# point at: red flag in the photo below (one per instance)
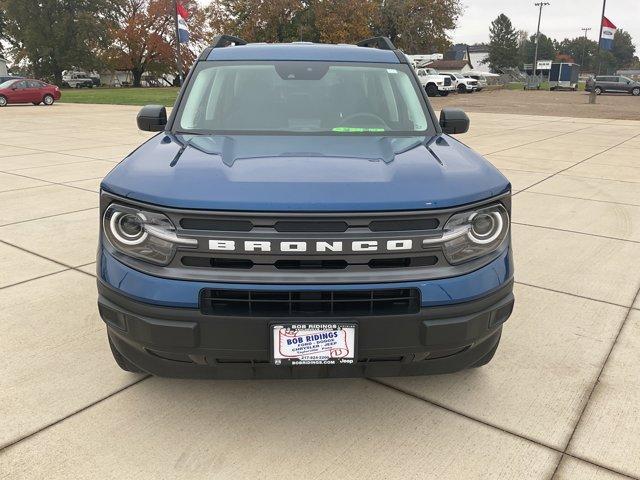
(183, 12)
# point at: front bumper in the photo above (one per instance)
(180, 341)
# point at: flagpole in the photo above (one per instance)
(178, 54)
(592, 94)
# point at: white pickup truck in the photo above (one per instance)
(76, 80)
(434, 83)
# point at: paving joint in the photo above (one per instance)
(72, 414)
(583, 198)
(576, 232)
(499, 428)
(580, 162)
(48, 216)
(584, 297)
(593, 389)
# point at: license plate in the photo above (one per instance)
(314, 344)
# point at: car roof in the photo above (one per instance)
(303, 51)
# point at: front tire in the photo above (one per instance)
(598, 91)
(444, 94)
(122, 362)
(48, 100)
(462, 89)
(635, 92)
(3, 101)
(431, 90)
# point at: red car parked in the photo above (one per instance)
(27, 90)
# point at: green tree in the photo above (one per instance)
(56, 35)
(258, 20)
(623, 49)
(579, 48)
(3, 25)
(418, 26)
(503, 45)
(546, 49)
(413, 25)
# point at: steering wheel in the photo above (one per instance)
(365, 115)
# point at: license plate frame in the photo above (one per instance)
(326, 350)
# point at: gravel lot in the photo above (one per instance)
(534, 102)
(559, 400)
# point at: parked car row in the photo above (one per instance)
(28, 90)
(442, 83)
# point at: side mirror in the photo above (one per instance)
(152, 118)
(454, 120)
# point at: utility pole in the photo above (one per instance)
(178, 54)
(584, 45)
(535, 58)
(592, 94)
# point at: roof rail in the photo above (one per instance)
(226, 41)
(383, 43)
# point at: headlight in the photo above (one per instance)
(142, 234)
(473, 234)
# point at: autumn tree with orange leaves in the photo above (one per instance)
(143, 39)
(329, 21)
(417, 26)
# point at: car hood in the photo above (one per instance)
(305, 173)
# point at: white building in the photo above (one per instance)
(451, 66)
(3, 67)
(419, 60)
(478, 54)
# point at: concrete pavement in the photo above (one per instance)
(559, 400)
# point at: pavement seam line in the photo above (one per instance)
(584, 297)
(575, 231)
(69, 267)
(47, 184)
(493, 426)
(597, 178)
(533, 192)
(38, 150)
(597, 382)
(49, 216)
(580, 162)
(34, 278)
(60, 184)
(543, 140)
(72, 414)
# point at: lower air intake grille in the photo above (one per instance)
(223, 302)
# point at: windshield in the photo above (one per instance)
(296, 96)
(6, 84)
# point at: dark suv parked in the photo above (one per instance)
(614, 83)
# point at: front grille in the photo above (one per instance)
(314, 303)
(310, 263)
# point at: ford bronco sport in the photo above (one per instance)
(302, 213)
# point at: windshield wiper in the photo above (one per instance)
(185, 144)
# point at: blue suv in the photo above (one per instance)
(303, 213)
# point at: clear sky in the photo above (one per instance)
(562, 19)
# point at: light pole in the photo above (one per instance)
(592, 93)
(584, 44)
(535, 58)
